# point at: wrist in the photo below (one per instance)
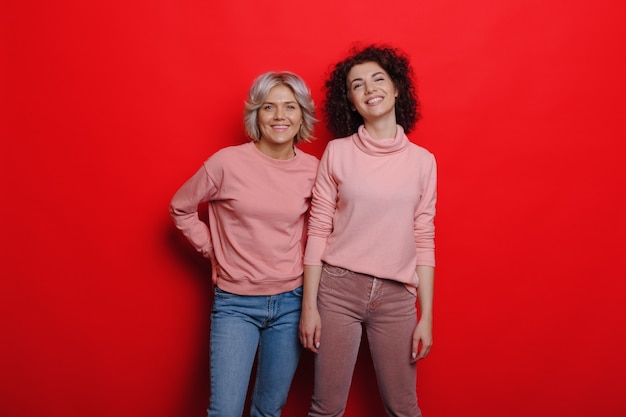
(309, 304)
(426, 316)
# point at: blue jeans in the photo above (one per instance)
(243, 327)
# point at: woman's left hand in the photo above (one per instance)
(422, 339)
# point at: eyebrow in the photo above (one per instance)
(286, 102)
(373, 75)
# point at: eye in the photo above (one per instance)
(267, 107)
(356, 86)
(291, 107)
(379, 79)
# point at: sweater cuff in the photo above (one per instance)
(426, 258)
(315, 247)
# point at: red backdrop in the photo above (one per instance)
(107, 107)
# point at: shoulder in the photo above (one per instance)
(227, 158)
(337, 150)
(348, 140)
(307, 158)
(423, 159)
(229, 153)
(306, 163)
(340, 144)
(421, 152)
(233, 151)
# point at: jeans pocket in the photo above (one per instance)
(298, 292)
(219, 293)
(335, 271)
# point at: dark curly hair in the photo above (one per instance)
(341, 120)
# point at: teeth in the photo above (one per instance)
(374, 100)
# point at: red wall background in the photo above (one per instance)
(107, 107)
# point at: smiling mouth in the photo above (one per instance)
(374, 100)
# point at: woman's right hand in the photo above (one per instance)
(213, 267)
(310, 328)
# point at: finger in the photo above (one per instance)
(307, 341)
(315, 340)
(414, 350)
(304, 339)
(425, 349)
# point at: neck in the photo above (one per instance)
(276, 151)
(382, 129)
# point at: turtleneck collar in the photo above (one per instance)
(380, 147)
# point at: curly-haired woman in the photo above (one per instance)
(370, 250)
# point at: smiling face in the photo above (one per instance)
(279, 117)
(372, 92)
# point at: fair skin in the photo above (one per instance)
(373, 94)
(279, 119)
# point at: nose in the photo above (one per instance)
(279, 114)
(369, 87)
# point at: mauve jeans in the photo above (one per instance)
(347, 302)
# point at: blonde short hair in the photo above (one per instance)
(258, 94)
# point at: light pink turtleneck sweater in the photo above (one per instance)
(373, 207)
(257, 211)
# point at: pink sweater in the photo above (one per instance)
(257, 211)
(373, 207)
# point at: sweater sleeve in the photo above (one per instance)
(424, 226)
(184, 210)
(323, 206)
